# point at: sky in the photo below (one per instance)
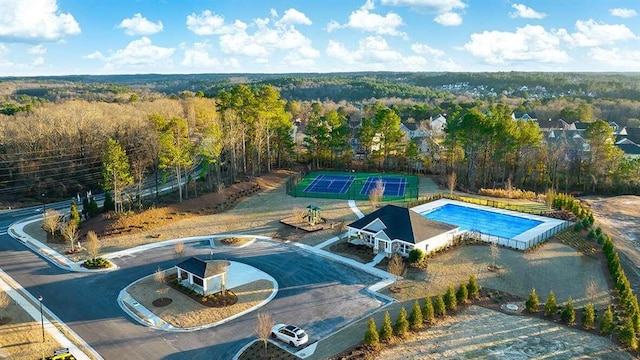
(73, 37)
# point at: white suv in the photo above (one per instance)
(290, 334)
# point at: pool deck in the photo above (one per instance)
(523, 239)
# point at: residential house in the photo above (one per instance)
(524, 116)
(394, 229)
(437, 125)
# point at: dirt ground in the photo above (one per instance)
(619, 217)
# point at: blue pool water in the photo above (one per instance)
(487, 222)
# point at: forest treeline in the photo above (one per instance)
(56, 146)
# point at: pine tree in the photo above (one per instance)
(402, 324)
(450, 299)
(532, 302)
(462, 294)
(387, 330)
(606, 323)
(109, 204)
(427, 310)
(473, 288)
(588, 316)
(74, 214)
(371, 337)
(628, 335)
(568, 314)
(440, 308)
(415, 317)
(551, 305)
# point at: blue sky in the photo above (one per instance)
(61, 37)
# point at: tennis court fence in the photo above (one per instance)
(298, 182)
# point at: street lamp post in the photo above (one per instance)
(44, 206)
(40, 298)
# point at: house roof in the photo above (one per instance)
(401, 223)
(629, 148)
(204, 269)
(553, 124)
(410, 125)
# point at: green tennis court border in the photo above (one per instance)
(298, 183)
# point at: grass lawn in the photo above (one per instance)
(184, 312)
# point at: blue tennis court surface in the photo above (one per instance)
(330, 184)
(393, 186)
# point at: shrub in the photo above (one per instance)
(439, 307)
(598, 231)
(551, 305)
(588, 316)
(371, 337)
(592, 234)
(532, 302)
(97, 263)
(402, 324)
(601, 239)
(415, 317)
(586, 223)
(473, 288)
(578, 226)
(462, 295)
(606, 323)
(568, 314)
(450, 299)
(628, 335)
(427, 310)
(387, 330)
(416, 256)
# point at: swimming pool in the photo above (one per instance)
(486, 222)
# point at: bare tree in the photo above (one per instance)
(5, 300)
(452, 179)
(50, 221)
(495, 253)
(396, 266)
(93, 245)
(159, 277)
(376, 194)
(70, 232)
(178, 250)
(591, 291)
(263, 328)
(299, 215)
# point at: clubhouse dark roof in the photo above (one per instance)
(404, 224)
(204, 269)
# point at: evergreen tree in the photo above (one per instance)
(462, 294)
(402, 324)
(93, 207)
(532, 302)
(387, 330)
(427, 310)
(568, 314)
(109, 204)
(439, 307)
(606, 323)
(628, 335)
(450, 299)
(588, 316)
(115, 170)
(551, 305)
(74, 214)
(371, 337)
(415, 317)
(85, 207)
(473, 288)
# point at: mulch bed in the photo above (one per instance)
(5, 320)
(162, 302)
(212, 300)
(257, 351)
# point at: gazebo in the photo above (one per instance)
(206, 277)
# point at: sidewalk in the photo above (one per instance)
(34, 312)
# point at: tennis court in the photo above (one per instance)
(352, 185)
(392, 186)
(330, 184)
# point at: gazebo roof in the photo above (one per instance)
(202, 268)
(313, 207)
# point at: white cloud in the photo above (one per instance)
(438, 6)
(96, 55)
(35, 20)
(623, 13)
(208, 23)
(363, 19)
(199, 56)
(448, 19)
(425, 49)
(623, 59)
(523, 11)
(529, 43)
(592, 33)
(374, 53)
(39, 61)
(273, 12)
(293, 16)
(139, 25)
(141, 52)
(37, 50)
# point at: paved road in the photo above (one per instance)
(316, 293)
